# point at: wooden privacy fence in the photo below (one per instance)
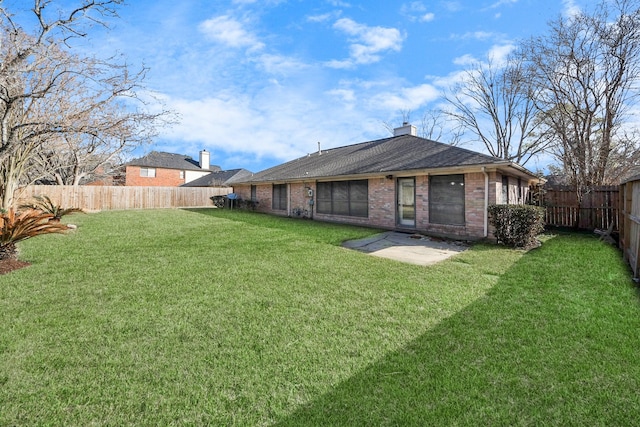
(630, 224)
(97, 198)
(599, 208)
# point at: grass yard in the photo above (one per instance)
(205, 317)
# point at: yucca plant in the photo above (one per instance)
(45, 205)
(16, 227)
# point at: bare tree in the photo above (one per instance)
(495, 103)
(50, 95)
(433, 125)
(587, 68)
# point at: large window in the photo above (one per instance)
(349, 198)
(279, 197)
(148, 172)
(446, 199)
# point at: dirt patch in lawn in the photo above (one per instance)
(9, 265)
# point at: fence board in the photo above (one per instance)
(97, 198)
(630, 224)
(598, 209)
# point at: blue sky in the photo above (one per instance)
(261, 82)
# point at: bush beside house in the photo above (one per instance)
(517, 225)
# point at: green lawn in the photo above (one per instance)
(204, 317)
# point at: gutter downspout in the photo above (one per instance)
(486, 202)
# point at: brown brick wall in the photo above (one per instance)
(382, 204)
(163, 178)
(299, 199)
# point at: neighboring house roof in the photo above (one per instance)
(160, 159)
(219, 178)
(380, 157)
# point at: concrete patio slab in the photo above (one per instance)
(409, 248)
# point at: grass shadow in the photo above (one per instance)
(328, 232)
(553, 343)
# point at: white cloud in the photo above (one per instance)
(367, 42)
(499, 53)
(231, 32)
(338, 3)
(345, 95)
(321, 18)
(415, 6)
(502, 3)
(475, 35)
(571, 9)
(416, 11)
(464, 60)
(279, 122)
(340, 65)
(280, 64)
(452, 6)
(411, 98)
(230, 124)
(427, 17)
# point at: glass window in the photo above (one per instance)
(254, 196)
(505, 190)
(446, 199)
(348, 198)
(148, 172)
(279, 197)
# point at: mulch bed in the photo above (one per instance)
(9, 265)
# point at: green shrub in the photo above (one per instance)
(517, 225)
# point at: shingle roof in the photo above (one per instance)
(160, 159)
(219, 178)
(395, 154)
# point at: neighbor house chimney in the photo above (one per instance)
(204, 159)
(406, 129)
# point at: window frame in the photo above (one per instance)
(279, 197)
(148, 172)
(343, 198)
(440, 203)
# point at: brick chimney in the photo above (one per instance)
(406, 129)
(204, 159)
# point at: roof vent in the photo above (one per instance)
(406, 129)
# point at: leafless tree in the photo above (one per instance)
(588, 68)
(495, 102)
(433, 125)
(51, 96)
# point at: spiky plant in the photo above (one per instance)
(16, 227)
(45, 205)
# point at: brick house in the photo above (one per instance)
(404, 183)
(160, 169)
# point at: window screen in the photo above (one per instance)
(279, 199)
(446, 199)
(349, 198)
